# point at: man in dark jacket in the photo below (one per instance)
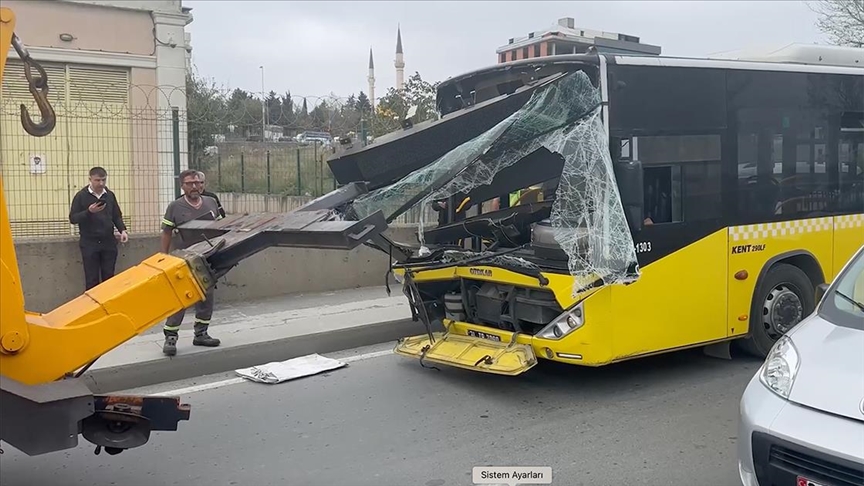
(96, 212)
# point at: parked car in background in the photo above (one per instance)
(802, 414)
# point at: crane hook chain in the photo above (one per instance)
(38, 86)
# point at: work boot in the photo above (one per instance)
(204, 339)
(170, 346)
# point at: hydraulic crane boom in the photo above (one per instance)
(43, 409)
(38, 414)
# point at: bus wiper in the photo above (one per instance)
(850, 299)
(531, 272)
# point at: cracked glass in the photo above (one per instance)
(587, 216)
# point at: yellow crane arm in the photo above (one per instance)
(41, 412)
(43, 409)
(39, 348)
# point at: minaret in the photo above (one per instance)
(400, 62)
(371, 81)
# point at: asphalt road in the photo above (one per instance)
(386, 421)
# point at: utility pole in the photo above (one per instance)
(263, 105)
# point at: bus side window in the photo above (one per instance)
(760, 167)
(682, 177)
(798, 135)
(850, 165)
(661, 187)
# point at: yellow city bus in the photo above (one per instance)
(663, 204)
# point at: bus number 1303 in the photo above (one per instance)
(643, 247)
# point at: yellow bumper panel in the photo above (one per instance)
(471, 353)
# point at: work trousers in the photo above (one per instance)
(99, 257)
(203, 313)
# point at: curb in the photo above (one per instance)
(228, 358)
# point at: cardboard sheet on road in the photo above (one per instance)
(281, 371)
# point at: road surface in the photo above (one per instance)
(384, 420)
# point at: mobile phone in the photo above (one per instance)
(101, 202)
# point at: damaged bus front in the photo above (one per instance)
(520, 216)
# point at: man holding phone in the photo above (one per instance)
(96, 212)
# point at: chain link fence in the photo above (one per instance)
(134, 133)
(276, 168)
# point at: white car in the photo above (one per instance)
(802, 414)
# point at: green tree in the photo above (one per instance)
(287, 117)
(274, 108)
(244, 114)
(364, 106)
(320, 117)
(350, 104)
(393, 106)
(205, 113)
(348, 119)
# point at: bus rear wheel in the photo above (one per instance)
(783, 298)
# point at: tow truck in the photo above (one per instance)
(44, 403)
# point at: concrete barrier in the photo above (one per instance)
(51, 270)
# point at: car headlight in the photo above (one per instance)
(564, 324)
(780, 367)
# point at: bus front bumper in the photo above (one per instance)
(480, 348)
(469, 352)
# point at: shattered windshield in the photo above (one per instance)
(587, 216)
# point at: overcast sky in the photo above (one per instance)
(314, 48)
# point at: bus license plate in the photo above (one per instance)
(491, 337)
(802, 481)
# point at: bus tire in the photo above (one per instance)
(783, 297)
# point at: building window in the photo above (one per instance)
(513, 55)
(536, 50)
(502, 57)
(525, 53)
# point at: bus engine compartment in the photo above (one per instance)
(510, 308)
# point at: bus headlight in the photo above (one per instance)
(564, 324)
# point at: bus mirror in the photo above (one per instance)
(629, 175)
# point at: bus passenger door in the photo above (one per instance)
(680, 299)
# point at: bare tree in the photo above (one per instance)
(841, 20)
